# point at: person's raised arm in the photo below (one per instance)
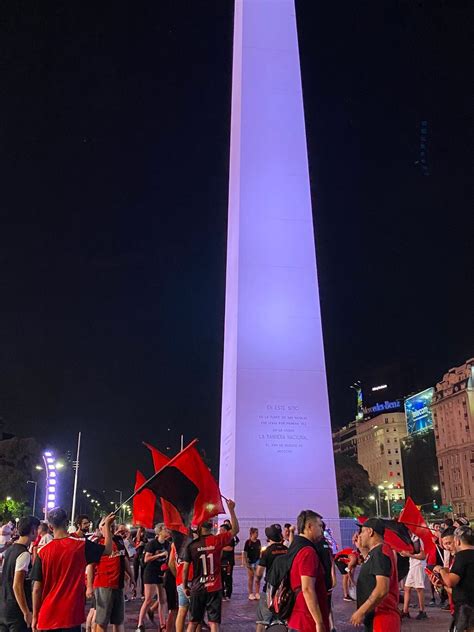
(233, 518)
(108, 535)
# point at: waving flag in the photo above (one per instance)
(171, 516)
(186, 482)
(143, 504)
(411, 517)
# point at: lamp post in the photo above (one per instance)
(34, 494)
(390, 487)
(50, 496)
(75, 465)
(379, 488)
(374, 497)
(120, 493)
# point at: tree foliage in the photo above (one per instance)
(18, 458)
(353, 488)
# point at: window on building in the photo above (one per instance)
(386, 420)
(397, 462)
(390, 462)
(388, 440)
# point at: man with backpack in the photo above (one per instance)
(275, 548)
(296, 582)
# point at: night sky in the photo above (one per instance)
(114, 141)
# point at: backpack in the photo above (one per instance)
(281, 597)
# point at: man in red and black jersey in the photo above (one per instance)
(108, 578)
(205, 590)
(377, 584)
(58, 575)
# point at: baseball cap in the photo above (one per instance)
(374, 523)
(273, 532)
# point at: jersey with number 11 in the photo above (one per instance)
(205, 556)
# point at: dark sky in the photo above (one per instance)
(114, 145)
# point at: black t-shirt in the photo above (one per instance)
(463, 566)
(269, 556)
(253, 550)
(153, 568)
(379, 561)
(324, 552)
(228, 557)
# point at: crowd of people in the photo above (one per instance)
(52, 574)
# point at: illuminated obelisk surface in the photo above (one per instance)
(276, 443)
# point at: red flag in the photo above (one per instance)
(171, 516)
(143, 504)
(208, 502)
(411, 516)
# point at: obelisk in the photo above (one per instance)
(276, 443)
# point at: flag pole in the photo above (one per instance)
(146, 483)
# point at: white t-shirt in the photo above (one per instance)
(23, 562)
(45, 539)
(414, 563)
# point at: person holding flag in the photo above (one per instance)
(205, 590)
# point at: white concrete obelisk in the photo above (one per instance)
(276, 443)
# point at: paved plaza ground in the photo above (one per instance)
(239, 613)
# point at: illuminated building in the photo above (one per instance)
(379, 448)
(453, 420)
(344, 440)
(420, 465)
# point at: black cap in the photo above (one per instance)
(273, 532)
(374, 523)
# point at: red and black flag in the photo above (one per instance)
(186, 482)
(143, 504)
(412, 517)
(171, 516)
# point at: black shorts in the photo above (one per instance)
(341, 566)
(204, 602)
(152, 577)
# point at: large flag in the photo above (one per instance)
(396, 535)
(171, 516)
(411, 516)
(143, 504)
(186, 482)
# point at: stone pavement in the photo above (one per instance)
(239, 614)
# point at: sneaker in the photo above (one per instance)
(421, 615)
(257, 596)
(252, 597)
(405, 615)
(446, 607)
(140, 628)
(432, 602)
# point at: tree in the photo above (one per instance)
(10, 509)
(18, 458)
(353, 488)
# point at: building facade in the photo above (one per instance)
(345, 440)
(379, 451)
(453, 421)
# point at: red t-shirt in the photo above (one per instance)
(205, 556)
(110, 571)
(307, 563)
(180, 567)
(60, 566)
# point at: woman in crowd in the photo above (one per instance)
(250, 558)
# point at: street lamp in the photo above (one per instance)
(9, 497)
(120, 493)
(34, 494)
(435, 488)
(374, 497)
